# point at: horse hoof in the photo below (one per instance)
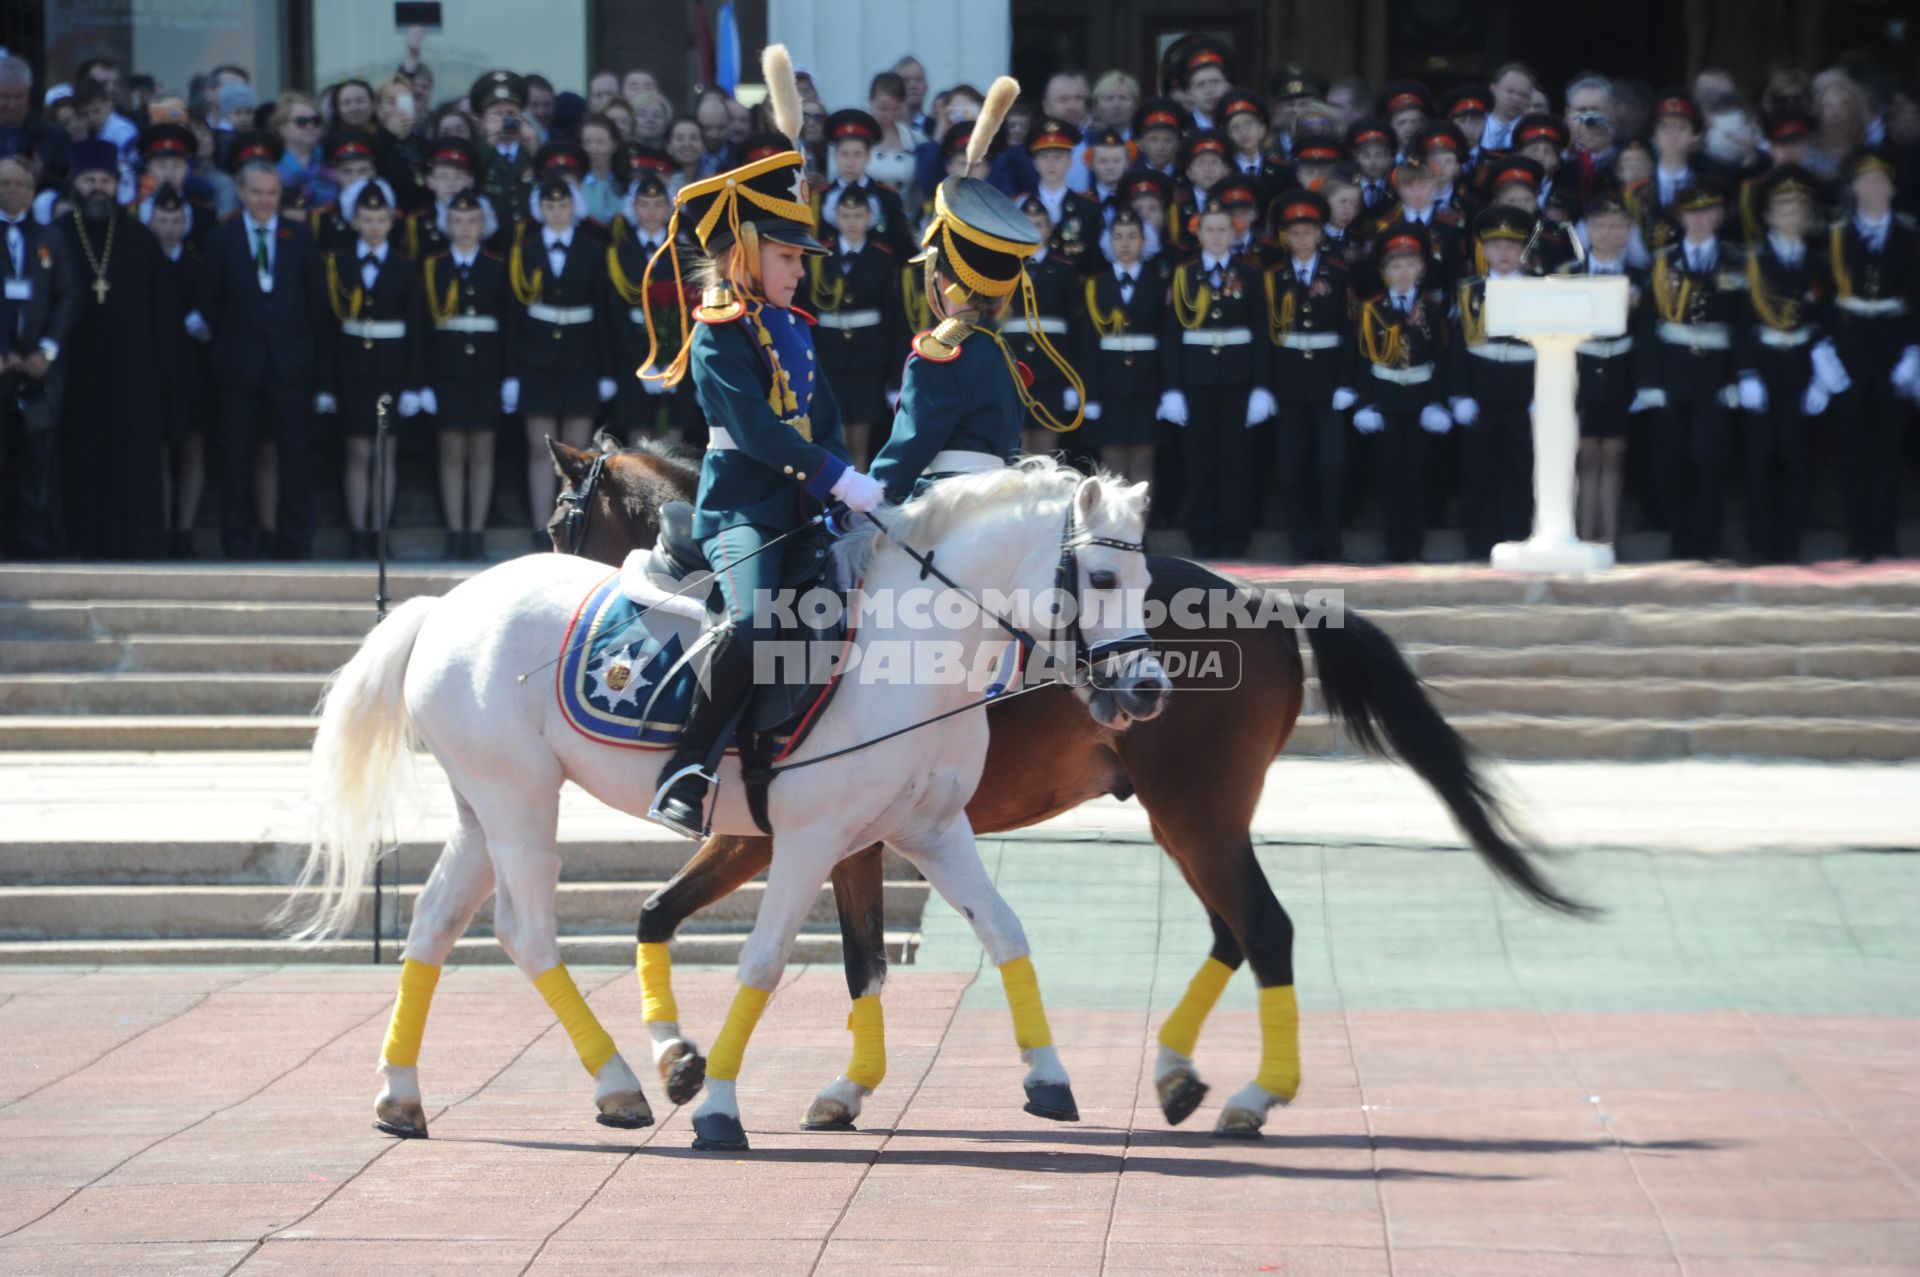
(827, 1115)
(684, 1070)
(1053, 1101)
(402, 1119)
(1238, 1124)
(718, 1133)
(1180, 1095)
(627, 1111)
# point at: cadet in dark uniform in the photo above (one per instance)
(1205, 165)
(1406, 106)
(1447, 256)
(378, 350)
(854, 294)
(1316, 158)
(350, 156)
(1240, 197)
(451, 165)
(498, 100)
(168, 150)
(1075, 219)
(1678, 164)
(1370, 147)
(1158, 127)
(1466, 107)
(1696, 291)
(1399, 350)
(469, 359)
(1118, 339)
(187, 387)
(853, 134)
(1608, 368)
(1788, 133)
(1243, 118)
(564, 361)
(1151, 196)
(1442, 147)
(1874, 255)
(1788, 292)
(1222, 377)
(1035, 337)
(645, 310)
(961, 399)
(1492, 383)
(1310, 312)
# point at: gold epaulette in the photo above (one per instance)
(942, 344)
(719, 306)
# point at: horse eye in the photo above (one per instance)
(1102, 580)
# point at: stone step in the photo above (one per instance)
(1497, 627)
(614, 949)
(159, 654)
(1836, 659)
(123, 618)
(1671, 698)
(243, 912)
(651, 854)
(203, 694)
(1499, 734)
(222, 582)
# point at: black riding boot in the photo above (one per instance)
(681, 803)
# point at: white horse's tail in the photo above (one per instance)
(361, 757)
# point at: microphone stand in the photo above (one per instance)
(380, 410)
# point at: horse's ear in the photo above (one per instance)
(571, 463)
(1086, 499)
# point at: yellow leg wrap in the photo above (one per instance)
(1181, 1032)
(1023, 999)
(869, 1064)
(723, 1062)
(1279, 1041)
(656, 984)
(590, 1041)
(409, 1023)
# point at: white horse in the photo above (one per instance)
(452, 674)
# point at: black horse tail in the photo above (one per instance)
(1370, 691)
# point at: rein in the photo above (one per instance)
(573, 524)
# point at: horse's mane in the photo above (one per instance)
(679, 454)
(1025, 488)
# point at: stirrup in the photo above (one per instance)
(664, 820)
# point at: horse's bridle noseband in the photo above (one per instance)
(579, 503)
(1089, 657)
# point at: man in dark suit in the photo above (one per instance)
(262, 305)
(22, 133)
(38, 307)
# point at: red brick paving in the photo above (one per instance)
(195, 1122)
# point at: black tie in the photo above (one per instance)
(555, 246)
(1126, 288)
(1400, 304)
(465, 267)
(1213, 277)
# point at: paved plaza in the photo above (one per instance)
(1721, 1077)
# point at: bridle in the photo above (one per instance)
(579, 504)
(1088, 659)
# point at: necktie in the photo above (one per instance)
(1400, 304)
(260, 261)
(13, 247)
(1126, 288)
(1213, 276)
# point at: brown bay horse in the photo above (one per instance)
(1197, 770)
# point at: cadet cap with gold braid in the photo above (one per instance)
(759, 200)
(1784, 180)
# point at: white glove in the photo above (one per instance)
(1828, 371)
(1435, 420)
(197, 328)
(1344, 399)
(409, 403)
(1650, 397)
(1069, 399)
(1465, 411)
(860, 492)
(429, 402)
(1906, 373)
(1368, 421)
(893, 400)
(510, 394)
(1814, 402)
(1093, 410)
(324, 402)
(1730, 396)
(608, 389)
(1260, 406)
(1173, 408)
(1753, 392)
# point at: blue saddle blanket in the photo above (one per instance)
(612, 661)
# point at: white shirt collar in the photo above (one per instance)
(174, 254)
(563, 239)
(848, 248)
(1211, 263)
(1127, 272)
(268, 226)
(1303, 268)
(1600, 266)
(469, 259)
(1871, 227)
(360, 249)
(1787, 250)
(1039, 254)
(1707, 252)
(1402, 299)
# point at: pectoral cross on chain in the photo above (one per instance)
(100, 289)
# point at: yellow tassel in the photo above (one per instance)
(409, 1023)
(656, 984)
(1279, 1042)
(723, 1062)
(1023, 999)
(590, 1042)
(869, 1064)
(1182, 1028)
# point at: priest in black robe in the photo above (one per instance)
(112, 445)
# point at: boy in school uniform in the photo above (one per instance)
(853, 292)
(1492, 383)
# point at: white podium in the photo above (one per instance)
(1554, 315)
